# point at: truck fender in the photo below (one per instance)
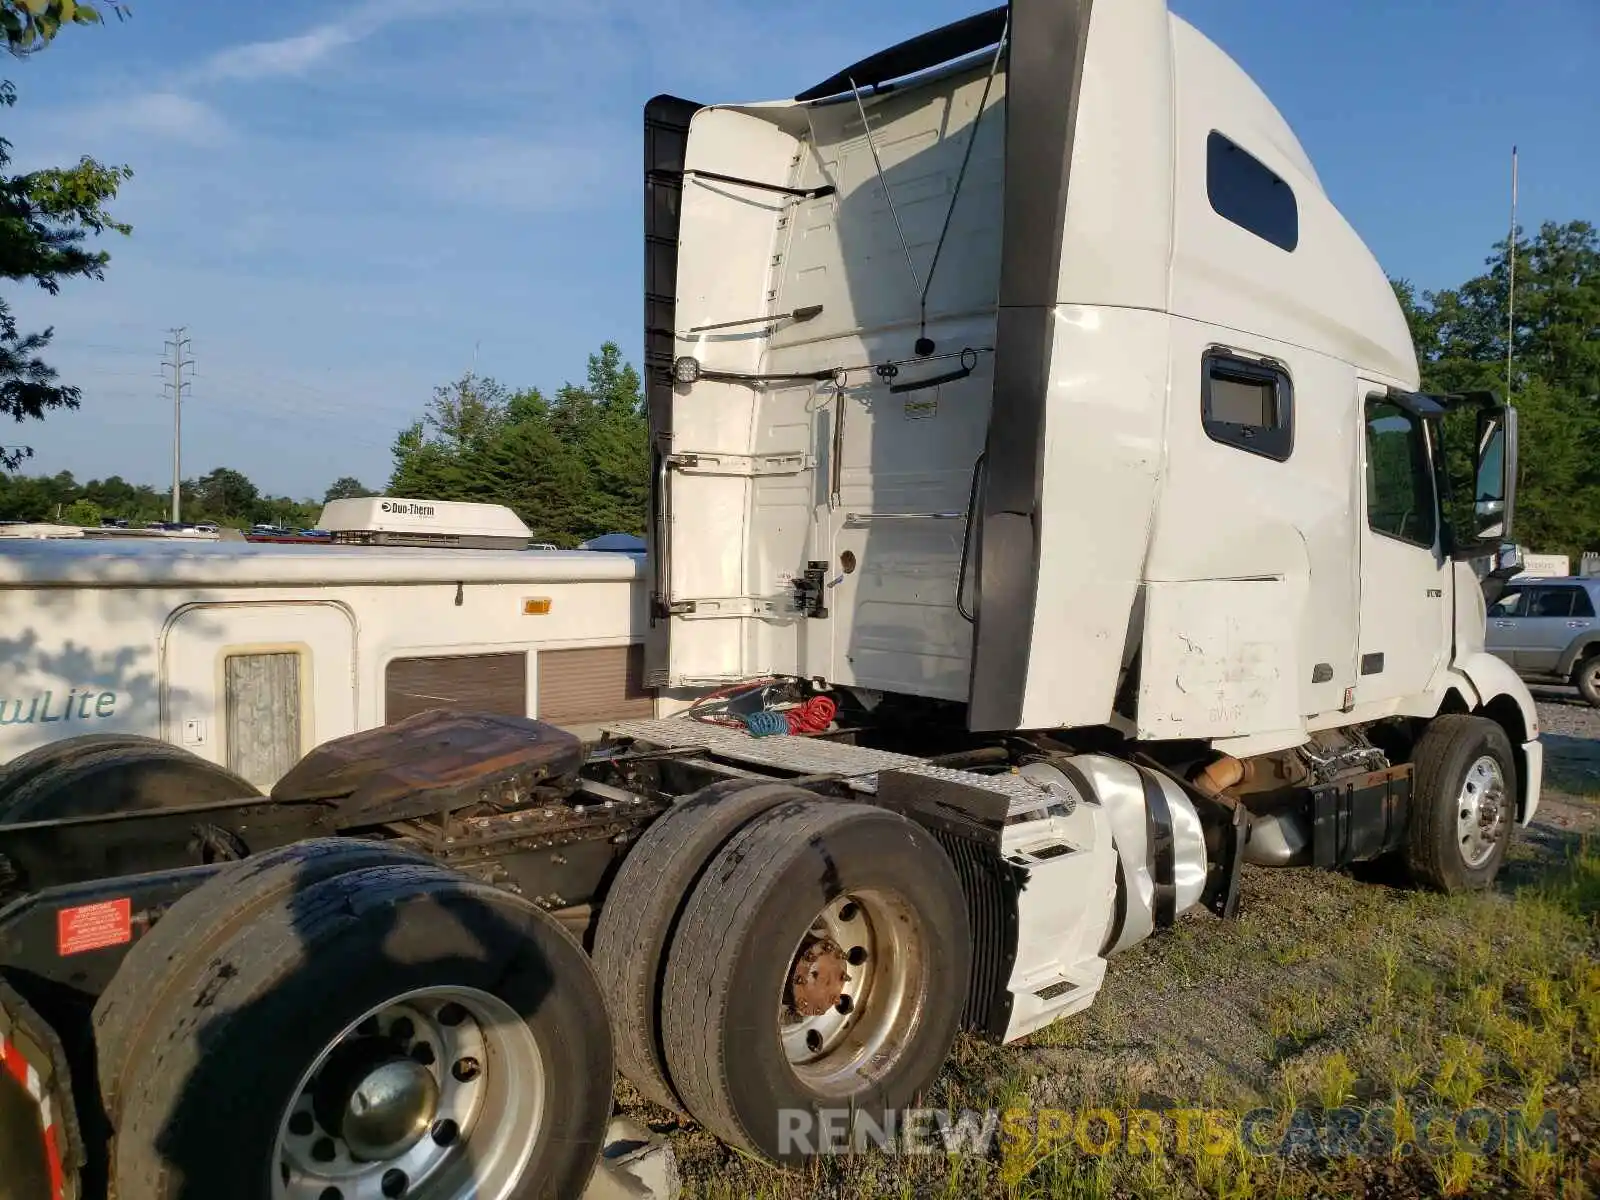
(1490, 687)
(40, 1143)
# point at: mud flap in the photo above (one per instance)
(41, 1149)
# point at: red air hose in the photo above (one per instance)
(814, 716)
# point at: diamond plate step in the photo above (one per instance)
(814, 756)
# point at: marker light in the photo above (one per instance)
(686, 369)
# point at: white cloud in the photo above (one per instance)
(298, 54)
(285, 56)
(169, 115)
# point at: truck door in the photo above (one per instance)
(254, 687)
(1405, 627)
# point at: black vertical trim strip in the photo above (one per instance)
(1161, 845)
(666, 143)
(1044, 71)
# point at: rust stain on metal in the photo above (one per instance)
(436, 760)
(818, 978)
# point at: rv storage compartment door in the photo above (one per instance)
(253, 687)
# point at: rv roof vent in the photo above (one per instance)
(393, 521)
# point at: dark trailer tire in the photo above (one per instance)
(103, 780)
(821, 964)
(642, 909)
(401, 1025)
(200, 924)
(42, 758)
(41, 1151)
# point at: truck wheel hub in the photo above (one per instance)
(1480, 811)
(819, 976)
(390, 1110)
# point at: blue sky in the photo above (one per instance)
(349, 204)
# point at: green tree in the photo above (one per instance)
(1461, 336)
(571, 466)
(30, 25)
(346, 487)
(81, 512)
(223, 494)
(45, 218)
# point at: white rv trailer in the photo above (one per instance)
(1018, 393)
(253, 655)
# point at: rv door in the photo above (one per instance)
(254, 687)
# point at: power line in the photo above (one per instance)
(177, 347)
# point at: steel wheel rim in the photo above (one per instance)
(1480, 811)
(837, 1051)
(467, 1135)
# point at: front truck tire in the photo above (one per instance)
(391, 1031)
(816, 977)
(1463, 804)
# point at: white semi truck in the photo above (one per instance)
(1046, 522)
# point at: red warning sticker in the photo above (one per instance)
(94, 926)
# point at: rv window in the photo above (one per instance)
(1248, 405)
(494, 683)
(1244, 190)
(262, 711)
(1399, 479)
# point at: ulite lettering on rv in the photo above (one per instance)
(43, 709)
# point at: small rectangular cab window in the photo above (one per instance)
(1400, 500)
(1244, 190)
(1247, 404)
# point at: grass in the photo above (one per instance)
(1327, 1000)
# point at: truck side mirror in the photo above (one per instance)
(1495, 478)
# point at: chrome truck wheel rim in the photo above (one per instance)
(434, 1095)
(1480, 811)
(854, 992)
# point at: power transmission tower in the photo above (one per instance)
(177, 347)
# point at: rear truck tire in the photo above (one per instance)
(1586, 675)
(642, 908)
(820, 964)
(1463, 803)
(391, 1031)
(122, 779)
(186, 937)
(42, 758)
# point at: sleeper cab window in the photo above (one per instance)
(1399, 475)
(1244, 190)
(1247, 404)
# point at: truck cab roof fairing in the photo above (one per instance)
(915, 55)
(1045, 74)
